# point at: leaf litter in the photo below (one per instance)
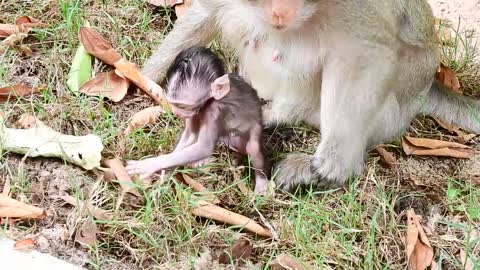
(143, 118)
(11, 208)
(431, 147)
(417, 247)
(108, 84)
(97, 212)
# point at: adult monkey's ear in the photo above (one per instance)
(220, 87)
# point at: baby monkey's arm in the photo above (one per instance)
(201, 149)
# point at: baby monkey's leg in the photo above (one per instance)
(254, 148)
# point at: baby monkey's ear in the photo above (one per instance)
(220, 87)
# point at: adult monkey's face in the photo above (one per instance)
(284, 14)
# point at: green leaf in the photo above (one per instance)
(81, 70)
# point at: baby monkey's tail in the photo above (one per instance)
(456, 109)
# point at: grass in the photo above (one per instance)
(359, 227)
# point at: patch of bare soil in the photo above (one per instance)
(464, 14)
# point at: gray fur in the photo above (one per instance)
(361, 70)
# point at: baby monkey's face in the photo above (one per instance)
(187, 101)
(184, 111)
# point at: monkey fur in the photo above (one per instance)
(217, 108)
(359, 71)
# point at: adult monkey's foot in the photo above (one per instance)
(301, 170)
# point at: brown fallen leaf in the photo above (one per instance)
(7, 29)
(28, 21)
(285, 262)
(124, 179)
(198, 187)
(208, 210)
(237, 253)
(180, 9)
(10, 208)
(25, 50)
(418, 249)
(95, 211)
(164, 3)
(87, 233)
(430, 147)
(108, 84)
(22, 24)
(447, 77)
(24, 244)
(243, 188)
(15, 91)
(97, 46)
(463, 137)
(154, 90)
(143, 118)
(387, 157)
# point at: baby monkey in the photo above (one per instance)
(216, 108)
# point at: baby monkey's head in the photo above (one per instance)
(196, 76)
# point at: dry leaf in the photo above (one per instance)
(150, 87)
(27, 121)
(144, 117)
(164, 3)
(22, 24)
(430, 147)
(108, 84)
(463, 137)
(124, 179)
(239, 251)
(25, 50)
(418, 249)
(15, 91)
(30, 21)
(7, 29)
(285, 262)
(24, 244)
(386, 156)
(182, 8)
(465, 260)
(243, 188)
(211, 211)
(198, 187)
(108, 174)
(97, 46)
(95, 211)
(87, 233)
(10, 208)
(448, 78)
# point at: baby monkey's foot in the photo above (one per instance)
(144, 168)
(264, 187)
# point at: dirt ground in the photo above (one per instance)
(359, 227)
(464, 14)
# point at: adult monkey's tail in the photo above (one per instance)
(444, 103)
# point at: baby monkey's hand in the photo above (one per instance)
(144, 168)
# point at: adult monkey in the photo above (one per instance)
(359, 70)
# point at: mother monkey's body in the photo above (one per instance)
(359, 70)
